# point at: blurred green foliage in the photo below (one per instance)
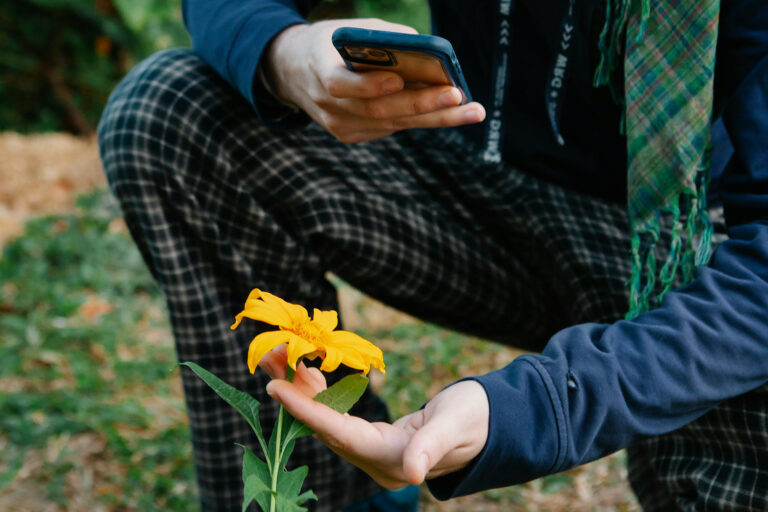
(414, 13)
(59, 59)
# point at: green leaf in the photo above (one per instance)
(288, 487)
(255, 489)
(340, 397)
(256, 480)
(344, 394)
(289, 482)
(308, 495)
(244, 403)
(295, 429)
(257, 483)
(294, 504)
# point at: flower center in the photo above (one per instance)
(310, 331)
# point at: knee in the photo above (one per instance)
(155, 96)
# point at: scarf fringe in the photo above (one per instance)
(698, 228)
(696, 225)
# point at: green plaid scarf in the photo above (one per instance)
(669, 60)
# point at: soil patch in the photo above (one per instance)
(43, 174)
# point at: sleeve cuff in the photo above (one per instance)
(273, 111)
(250, 45)
(526, 431)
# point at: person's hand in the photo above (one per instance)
(441, 438)
(304, 68)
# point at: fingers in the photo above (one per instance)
(408, 108)
(409, 102)
(315, 415)
(343, 83)
(441, 438)
(351, 129)
(274, 362)
(354, 438)
(456, 116)
(309, 381)
(376, 448)
(443, 117)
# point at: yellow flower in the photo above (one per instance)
(306, 337)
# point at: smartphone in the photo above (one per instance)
(421, 60)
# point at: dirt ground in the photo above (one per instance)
(41, 174)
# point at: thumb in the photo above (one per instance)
(426, 448)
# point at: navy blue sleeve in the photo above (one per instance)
(232, 35)
(597, 388)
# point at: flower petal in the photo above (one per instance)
(379, 365)
(295, 312)
(356, 361)
(357, 352)
(262, 344)
(298, 347)
(332, 359)
(263, 312)
(327, 319)
(268, 308)
(351, 341)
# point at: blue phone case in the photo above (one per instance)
(393, 41)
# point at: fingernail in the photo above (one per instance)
(270, 389)
(473, 116)
(390, 85)
(448, 98)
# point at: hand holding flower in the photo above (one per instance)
(441, 438)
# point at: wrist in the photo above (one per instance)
(280, 61)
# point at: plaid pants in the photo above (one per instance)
(218, 204)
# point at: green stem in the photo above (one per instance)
(276, 465)
(289, 373)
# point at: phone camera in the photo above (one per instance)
(365, 55)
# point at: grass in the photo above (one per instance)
(88, 406)
(91, 410)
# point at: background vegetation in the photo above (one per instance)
(59, 59)
(91, 410)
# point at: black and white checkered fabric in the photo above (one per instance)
(219, 204)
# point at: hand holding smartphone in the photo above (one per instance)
(421, 60)
(393, 79)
